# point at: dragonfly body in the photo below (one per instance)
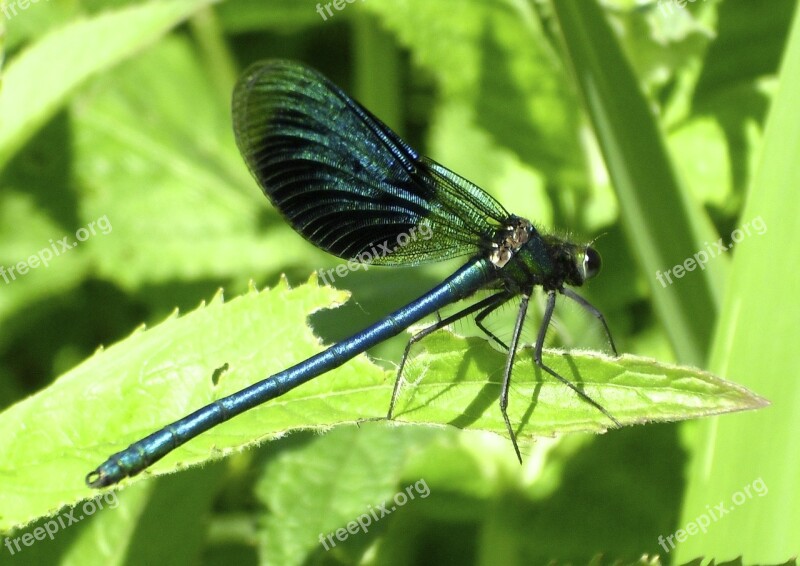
(347, 183)
(143, 453)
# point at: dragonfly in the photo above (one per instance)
(350, 185)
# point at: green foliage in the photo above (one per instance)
(138, 384)
(645, 123)
(758, 321)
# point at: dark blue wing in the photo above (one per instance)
(344, 180)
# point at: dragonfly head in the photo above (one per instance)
(590, 266)
(584, 263)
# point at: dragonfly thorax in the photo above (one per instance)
(509, 239)
(528, 258)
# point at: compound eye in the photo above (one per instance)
(591, 263)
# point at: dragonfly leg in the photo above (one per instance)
(487, 303)
(537, 352)
(593, 310)
(512, 351)
(482, 315)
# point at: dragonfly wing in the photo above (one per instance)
(345, 181)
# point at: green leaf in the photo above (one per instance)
(245, 16)
(101, 530)
(170, 180)
(328, 482)
(156, 376)
(39, 80)
(499, 62)
(462, 389)
(754, 341)
(25, 243)
(663, 223)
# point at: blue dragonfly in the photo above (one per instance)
(349, 185)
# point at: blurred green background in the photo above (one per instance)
(662, 126)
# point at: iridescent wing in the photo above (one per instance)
(345, 181)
